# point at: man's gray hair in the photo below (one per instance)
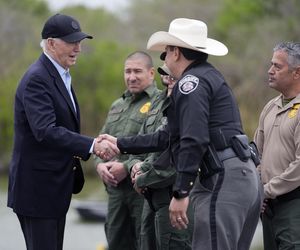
(43, 44)
(293, 51)
(44, 41)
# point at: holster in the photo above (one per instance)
(211, 164)
(254, 153)
(240, 145)
(148, 196)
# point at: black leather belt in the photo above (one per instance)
(294, 194)
(222, 137)
(226, 154)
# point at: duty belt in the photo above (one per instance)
(226, 154)
(212, 161)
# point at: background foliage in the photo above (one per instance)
(250, 29)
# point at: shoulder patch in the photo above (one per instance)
(188, 84)
(293, 111)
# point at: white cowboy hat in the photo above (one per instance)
(187, 33)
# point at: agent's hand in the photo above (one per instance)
(139, 190)
(105, 175)
(135, 170)
(107, 137)
(177, 212)
(118, 170)
(105, 149)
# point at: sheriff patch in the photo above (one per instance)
(188, 84)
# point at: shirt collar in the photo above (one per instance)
(278, 102)
(59, 68)
(150, 91)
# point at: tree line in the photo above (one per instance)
(250, 29)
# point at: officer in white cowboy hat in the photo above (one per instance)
(206, 132)
(206, 141)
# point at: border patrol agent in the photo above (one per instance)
(204, 134)
(155, 183)
(277, 138)
(126, 117)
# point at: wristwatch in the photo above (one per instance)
(179, 194)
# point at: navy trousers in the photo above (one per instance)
(43, 233)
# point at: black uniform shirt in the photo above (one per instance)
(202, 111)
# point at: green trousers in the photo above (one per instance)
(281, 225)
(163, 234)
(123, 223)
(148, 238)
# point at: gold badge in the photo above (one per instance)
(294, 110)
(145, 108)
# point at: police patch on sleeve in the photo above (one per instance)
(188, 84)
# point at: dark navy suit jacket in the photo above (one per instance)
(45, 168)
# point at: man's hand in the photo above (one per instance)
(177, 212)
(139, 190)
(107, 137)
(105, 149)
(135, 170)
(105, 175)
(118, 170)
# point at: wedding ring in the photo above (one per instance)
(179, 218)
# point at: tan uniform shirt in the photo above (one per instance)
(278, 141)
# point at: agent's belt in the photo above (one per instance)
(221, 139)
(226, 154)
(212, 161)
(294, 194)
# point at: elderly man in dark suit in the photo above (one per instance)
(45, 167)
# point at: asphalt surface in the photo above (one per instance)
(79, 234)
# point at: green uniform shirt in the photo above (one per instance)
(127, 115)
(154, 178)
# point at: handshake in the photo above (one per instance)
(105, 147)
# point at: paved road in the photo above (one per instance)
(79, 235)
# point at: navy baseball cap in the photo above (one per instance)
(164, 70)
(64, 27)
(163, 56)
